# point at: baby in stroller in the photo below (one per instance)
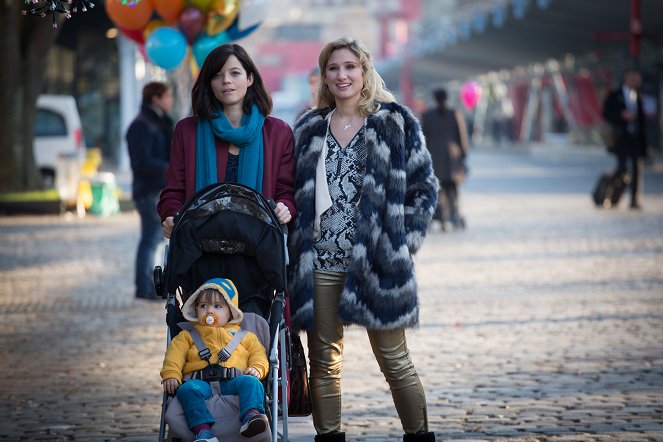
(214, 355)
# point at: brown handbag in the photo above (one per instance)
(300, 394)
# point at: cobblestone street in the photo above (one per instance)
(543, 321)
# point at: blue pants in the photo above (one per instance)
(151, 234)
(193, 394)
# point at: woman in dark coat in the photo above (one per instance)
(365, 193)
(446, 139)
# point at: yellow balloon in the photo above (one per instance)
(203, 5)
(193, 66)
(151, 26)
(221, 15)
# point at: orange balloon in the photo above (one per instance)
(129, 17)
(168, 9)
(151, 26)
(221, 15)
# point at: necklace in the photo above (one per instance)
(347, 125)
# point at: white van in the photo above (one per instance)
(58, 132)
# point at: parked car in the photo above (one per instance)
(58, 132)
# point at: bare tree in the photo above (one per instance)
(24, 45)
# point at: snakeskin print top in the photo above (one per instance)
(345, 174)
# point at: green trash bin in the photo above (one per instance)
(104, 194)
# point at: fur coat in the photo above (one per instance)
(397, 199)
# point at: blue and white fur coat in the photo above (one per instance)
(398, 197)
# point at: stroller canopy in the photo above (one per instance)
(227, 230)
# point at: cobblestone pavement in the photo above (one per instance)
(542, 321)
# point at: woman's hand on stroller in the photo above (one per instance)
(170, 385)
(167, 226)
(251, 371)
(282, 213)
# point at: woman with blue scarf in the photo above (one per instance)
(230, 138)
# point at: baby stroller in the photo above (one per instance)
(229, 230)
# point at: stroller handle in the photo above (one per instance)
(284, 228)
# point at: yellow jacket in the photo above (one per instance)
(182, 355)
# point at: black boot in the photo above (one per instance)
(330, 437)
(419, 437)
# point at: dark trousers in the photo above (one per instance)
(447, 204)
(151, 234)
(636, 173)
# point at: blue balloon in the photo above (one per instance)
(235, 34)
(166, 47)
(206, 43)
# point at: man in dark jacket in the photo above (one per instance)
(623, 111)
(148, 138)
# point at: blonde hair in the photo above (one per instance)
(373, 90)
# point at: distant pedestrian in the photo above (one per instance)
(447, 141)
(148, 139)
(365, 192)
(313, 84)
(623, 110)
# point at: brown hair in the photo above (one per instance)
(203, 101)
(210, 296)
(153, 89)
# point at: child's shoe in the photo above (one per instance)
(253, 423)
(206, 436)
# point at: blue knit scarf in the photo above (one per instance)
(247, 137)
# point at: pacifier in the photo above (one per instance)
(209, 319)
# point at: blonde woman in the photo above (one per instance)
(365, 193)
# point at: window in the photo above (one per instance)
(49, 124)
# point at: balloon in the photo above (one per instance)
(221, 15)
(193, 66)
(134, 34)
(203, 5)
(470, 93)
(191, 22)
(251, 13)
(168, 9)
(166, 47)
(235, 34)
(129, 17)
(206, 43)
(152, 26)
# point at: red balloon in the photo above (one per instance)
(134, 34)
(191, 23)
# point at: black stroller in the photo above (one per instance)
(229, 230)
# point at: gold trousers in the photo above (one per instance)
(325, 346)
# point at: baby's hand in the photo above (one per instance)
(252, 372)
(170, 385)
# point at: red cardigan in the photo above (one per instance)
(279, 167)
